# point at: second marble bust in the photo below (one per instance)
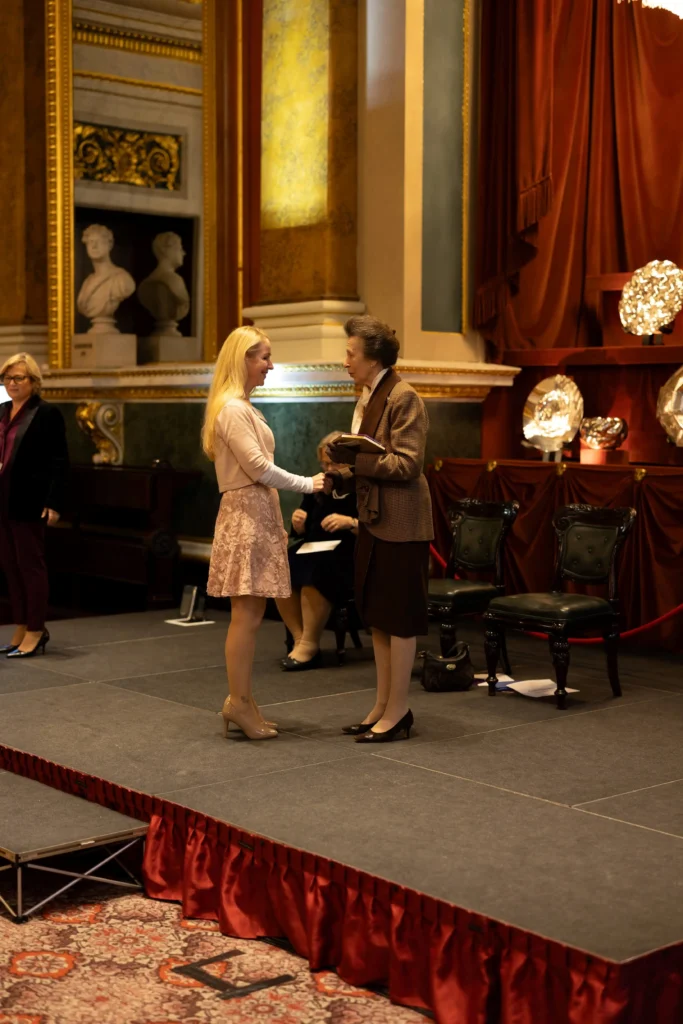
(164, 293)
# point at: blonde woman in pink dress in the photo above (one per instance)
(249, 554)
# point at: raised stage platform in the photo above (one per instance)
(567, 825)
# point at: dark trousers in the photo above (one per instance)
(22, 557)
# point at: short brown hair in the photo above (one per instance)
(379, 341)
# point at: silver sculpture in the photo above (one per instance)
(670, 407)
(603, 433)
(552, 414)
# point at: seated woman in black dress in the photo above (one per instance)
(322, 579)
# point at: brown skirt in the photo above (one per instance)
(392, 581)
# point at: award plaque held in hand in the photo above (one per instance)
(361, 443)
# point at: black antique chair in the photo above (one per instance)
(589, 540)
(479, 531)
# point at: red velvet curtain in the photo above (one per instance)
(602, 117)
(429, 954)
(650, 574)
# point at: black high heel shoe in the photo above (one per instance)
(358, 730)
(290, 664)
(6, 648)
(40, 646)
(404, 726)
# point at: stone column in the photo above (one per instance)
(23, 268)
(415, 156)
(309, 171)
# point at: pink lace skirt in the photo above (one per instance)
(249, 553)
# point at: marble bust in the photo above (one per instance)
(164, 293)
(104, 290)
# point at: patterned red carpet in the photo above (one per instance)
(116, 962)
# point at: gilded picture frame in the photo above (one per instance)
(60, 181)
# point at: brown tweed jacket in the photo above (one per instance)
(391, 490)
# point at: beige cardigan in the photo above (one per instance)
(244, 447)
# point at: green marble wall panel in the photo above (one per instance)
(170, 431)
(442, 166)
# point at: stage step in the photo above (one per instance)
(39, 823)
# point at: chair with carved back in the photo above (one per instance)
(589, 540)
(479, 530)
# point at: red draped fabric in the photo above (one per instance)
(429, 954)
(598, 108)
(650, 575)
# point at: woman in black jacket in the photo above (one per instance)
(33, 466)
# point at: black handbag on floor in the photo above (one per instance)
(443, 675)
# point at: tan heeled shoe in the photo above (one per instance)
(257, 709)
(248, 721)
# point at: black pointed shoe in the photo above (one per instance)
(6, 648)
(357, 730)
(290, 664)
(396, 732)
(38, 649)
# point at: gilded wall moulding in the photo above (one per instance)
(137, 83)
(127, 157)
(290, 383)
(60, 179)
(136, 42)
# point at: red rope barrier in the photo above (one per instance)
(594, 639)
(435, 555)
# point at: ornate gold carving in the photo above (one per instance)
(127, 394)
(210, 342)
(103, 424)
(490, 466)
(560, 469)
(164, 393)
(438, 465)
(100, 76)
(639, 474)
(488, 370)
(60, 204)
(466, 156)
(136, 42)
(126, 157)
(475, 392)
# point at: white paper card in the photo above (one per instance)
(313, 546)
(538, 687)
(502, 678)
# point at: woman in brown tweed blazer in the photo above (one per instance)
(395, 521)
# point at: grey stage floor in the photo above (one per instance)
(568, 824)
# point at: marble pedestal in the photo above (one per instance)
(103, 350)
(169, 348)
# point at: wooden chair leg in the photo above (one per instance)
(447, 637)
(492, 645)
(289, 641)
(559, 652)
(355, 639)
(341, 622)
(611, 638)
(504, 654)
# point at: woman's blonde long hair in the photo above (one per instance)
(229, 378)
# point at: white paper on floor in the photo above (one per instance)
(184, 622)
(537, 687)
